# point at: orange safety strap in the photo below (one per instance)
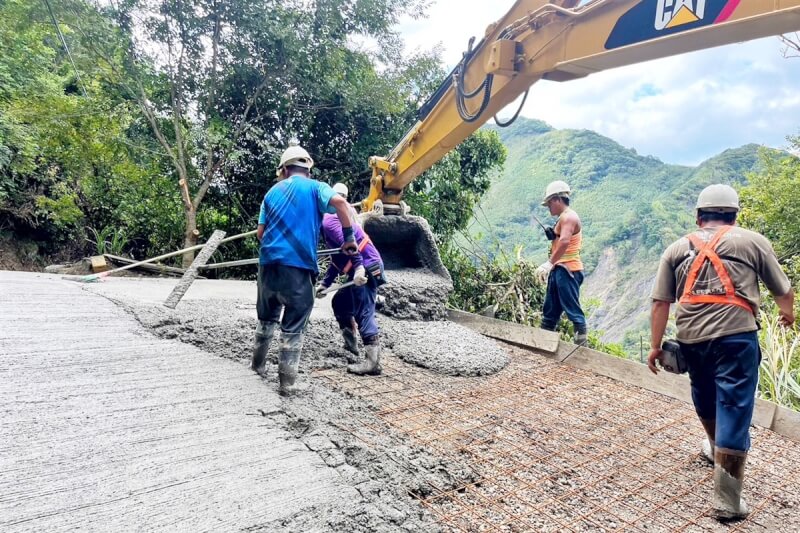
(363, 244)
(708, 251)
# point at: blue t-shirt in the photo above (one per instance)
(292, 215)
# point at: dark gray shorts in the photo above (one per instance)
(287, 289)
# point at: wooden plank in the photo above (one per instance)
(786, 422)
(538, 339)
(243, 262)
(94, 277)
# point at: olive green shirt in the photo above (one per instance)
(747, 256)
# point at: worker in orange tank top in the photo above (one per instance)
(563, 272)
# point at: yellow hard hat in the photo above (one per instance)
(556, 188)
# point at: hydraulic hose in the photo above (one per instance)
(516, 115)
(462, 95)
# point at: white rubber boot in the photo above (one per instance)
(728, 479)
(707, 448)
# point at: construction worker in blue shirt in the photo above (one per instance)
(289, 230)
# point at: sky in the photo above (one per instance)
(682, 109)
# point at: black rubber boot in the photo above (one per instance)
(291, 344)
(287, 370)
(350, 340)
(371, 365)
(581, 336)
(264, 333)
(728, 479)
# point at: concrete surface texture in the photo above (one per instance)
(108, 428)
(223, 323)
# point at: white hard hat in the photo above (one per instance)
(341, 188)
(296, 156)
(718, 198)
(556, 188)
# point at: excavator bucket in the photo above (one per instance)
(405, 242)
(418, 282)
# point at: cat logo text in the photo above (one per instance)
(674, 13)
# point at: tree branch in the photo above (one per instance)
(791, 43)
(240, 129)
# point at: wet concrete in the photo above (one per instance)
(418, 281)
(105, 427)
(373, 485)
(445, 348)
(220, 317)
(385, 475)
(415, 294)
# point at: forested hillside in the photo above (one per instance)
(632, 206)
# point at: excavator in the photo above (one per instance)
(559, 40)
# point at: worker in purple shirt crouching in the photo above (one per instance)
(355, 305)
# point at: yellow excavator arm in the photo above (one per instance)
(560, 41)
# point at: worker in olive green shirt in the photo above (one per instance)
(713, 275)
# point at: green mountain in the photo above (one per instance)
(632, 207)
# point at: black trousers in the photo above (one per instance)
(287, 289)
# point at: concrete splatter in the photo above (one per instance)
(384, 475)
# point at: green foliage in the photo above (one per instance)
(249, 75)
(634, 203)
(595, 342)
(779, 379)
(61, 209)
(771, 205)
(505, 287)
(108, 240)
(447, 194)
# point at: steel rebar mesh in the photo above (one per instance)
(555, 448)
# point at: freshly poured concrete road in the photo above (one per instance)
(105, 427)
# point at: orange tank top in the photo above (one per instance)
(572, 257)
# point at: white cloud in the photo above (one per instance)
(682, 109)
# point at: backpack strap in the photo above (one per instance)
(708, 252)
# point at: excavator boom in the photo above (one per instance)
(561, 41)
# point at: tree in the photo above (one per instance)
(225, 83)
(771, 205)
(448, 193)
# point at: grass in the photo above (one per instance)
(779, 379)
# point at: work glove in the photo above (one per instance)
(349, 247)
(543, 272)
(360, 276)
(320, 290)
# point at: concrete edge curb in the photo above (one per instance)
(780, 420)
(537, 339)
